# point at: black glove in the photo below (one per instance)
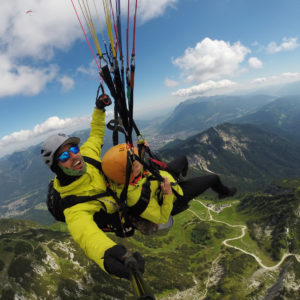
(102, 101)
(117, 261)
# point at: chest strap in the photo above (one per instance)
(142, 203)
(73, 200)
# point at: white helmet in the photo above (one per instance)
(53, 143)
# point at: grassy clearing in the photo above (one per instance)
(201, 211)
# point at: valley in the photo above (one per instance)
(211, 252)
(207, 213)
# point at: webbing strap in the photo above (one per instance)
(115, 128)
(93, 162)
(117, 92)
(98, 165)
(142, 202)
(113, 125)
(123, 196)
(73, 200)
(122, 108)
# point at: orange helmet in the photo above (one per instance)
(114, 163)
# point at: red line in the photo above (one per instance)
(127, 33)
(133, 46)
(86, 36)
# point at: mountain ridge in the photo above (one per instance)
(239, 151)
(204, 112)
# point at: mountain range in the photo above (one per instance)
(198, 114)
(281, 115)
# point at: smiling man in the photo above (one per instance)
(81, 188)
(62, 154)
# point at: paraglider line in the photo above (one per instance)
(86, 36)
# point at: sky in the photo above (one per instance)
(184, 49)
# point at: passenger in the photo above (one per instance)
(151, 203)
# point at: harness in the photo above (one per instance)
(120, 225)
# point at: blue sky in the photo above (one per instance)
(184, 49)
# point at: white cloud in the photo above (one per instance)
(288, 44)
(211, 88)
(22, 79)
(281, 79)
(30, 39)
(151, 9)
(268, 83)
(170, 82)
(211, 59)
(260, 80)
(255, 63)
(26, 137)
(51, 25)
(204, 88)
(91, 71)
(67, 83)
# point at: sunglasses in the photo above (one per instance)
(66, 155)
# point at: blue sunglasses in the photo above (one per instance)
(66, 155)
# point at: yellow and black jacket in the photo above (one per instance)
(80, 217)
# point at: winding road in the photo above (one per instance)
(225, 242)
(243, 228)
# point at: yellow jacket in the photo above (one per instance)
(158, 214)
(79, 217)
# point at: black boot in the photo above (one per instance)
(179, 206)
(231, 192)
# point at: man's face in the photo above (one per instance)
(75, 161)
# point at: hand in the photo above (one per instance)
(117, 261)
(102, 101)
(166, 187)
